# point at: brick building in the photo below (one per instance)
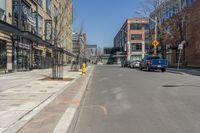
(133, 38)
(179, 22)
(192, 51)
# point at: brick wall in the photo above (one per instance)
(193, 36)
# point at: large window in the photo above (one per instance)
(136, 47)
(40, 25)
(3, 60)
(48, 6)
(15, 12)
(2, 9)
(40, 2)
(136, 37)
(135, 26)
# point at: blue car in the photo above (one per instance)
(151, 62)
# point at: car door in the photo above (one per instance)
(143, 62)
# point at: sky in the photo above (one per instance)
(102, 19)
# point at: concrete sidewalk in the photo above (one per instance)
(20, 102)
(195, 72)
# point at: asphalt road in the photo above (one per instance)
(121, 100)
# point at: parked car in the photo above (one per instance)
(135, 64)
(151, 62)
(125, 63)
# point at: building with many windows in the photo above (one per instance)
(178, 22)
(28, 30)
(133, 38)
(79, 42)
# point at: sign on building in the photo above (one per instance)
(48, 30)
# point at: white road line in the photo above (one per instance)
(65, 121)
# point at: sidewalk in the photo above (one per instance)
(190, 71)
(20, 102)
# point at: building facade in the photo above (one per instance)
(178, 21)
(91, 53)
(28, 32)
(79, 45)
(133, 38)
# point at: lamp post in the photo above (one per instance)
(156, 32)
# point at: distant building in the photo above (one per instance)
(133, 38)
(112, 55)
(91, 53)
(78, 44)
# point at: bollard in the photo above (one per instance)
(83, 69)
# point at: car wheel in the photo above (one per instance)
(141, 68)
(148, 69)
(163, 70)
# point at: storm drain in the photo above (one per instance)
(170, 86)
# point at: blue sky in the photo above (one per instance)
(101, 19)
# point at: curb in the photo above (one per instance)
(15, 127)
(76, 115)
(175, 72)
(67, 123)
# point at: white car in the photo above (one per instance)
(135, 64)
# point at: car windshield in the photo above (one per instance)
(155, 58)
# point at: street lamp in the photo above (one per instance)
(156, 32)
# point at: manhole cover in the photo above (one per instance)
(170, 86)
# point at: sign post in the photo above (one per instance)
(180, 48)
(155, 43)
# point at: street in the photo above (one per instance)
(121, 100)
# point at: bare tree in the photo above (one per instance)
(171, 28)
(59, 34)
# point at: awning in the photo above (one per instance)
(35, 38)
(6, 27)
(69, 53)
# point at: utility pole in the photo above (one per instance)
(156, 34)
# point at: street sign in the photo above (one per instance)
(180, 46)
(155, 43)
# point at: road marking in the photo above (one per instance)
(65, 121)
(103, 108)
(71, 102)
(105, 111)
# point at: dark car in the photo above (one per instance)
(151, 62)
(125, 63)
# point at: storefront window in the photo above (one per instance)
(23, 55)
(3, 59)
